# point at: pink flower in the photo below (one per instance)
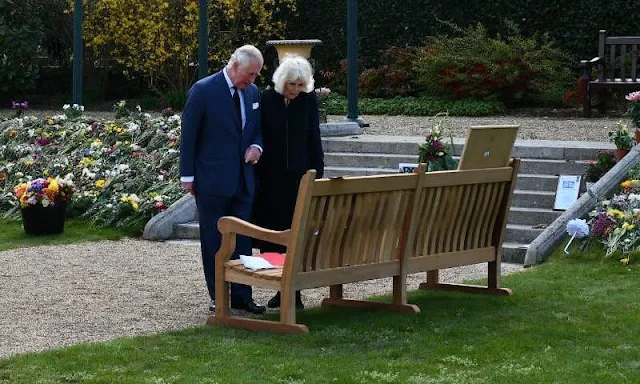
(633, 96)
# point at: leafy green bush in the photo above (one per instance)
(20, 32)
(473, 65)
(175, 99)
(415, 106)
(125, 170)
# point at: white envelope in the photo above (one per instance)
(256, 263)
(256, 105)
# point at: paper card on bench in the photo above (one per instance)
(274, 258)
(256, 262)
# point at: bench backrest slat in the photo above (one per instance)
(634, 62)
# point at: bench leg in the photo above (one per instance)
(586, 102)
(492, 288)
(399, 299)
(373, 305)
(258, 325)
(336, 292)
(286, 325)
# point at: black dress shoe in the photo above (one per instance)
(249, 306)
(274, 302)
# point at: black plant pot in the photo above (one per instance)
(38, 220)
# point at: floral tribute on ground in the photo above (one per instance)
(125, 170)
(616, 222)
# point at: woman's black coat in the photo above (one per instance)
(291, 146)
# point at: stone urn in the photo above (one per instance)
(300, 47)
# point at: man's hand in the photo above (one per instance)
(252, 155)
(189, 187)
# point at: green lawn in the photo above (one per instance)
(570, 320)
(75, 231)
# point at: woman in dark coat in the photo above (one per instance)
(291, 144)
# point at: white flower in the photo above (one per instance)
(138, 108)
(131, 126)
(66, 106)
(88, 174)
(160, 178)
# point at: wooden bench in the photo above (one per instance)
(362, 228)
(616, 64)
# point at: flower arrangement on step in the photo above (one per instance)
(621, 138)
(434, 152)
(633, 108)
(596, 169)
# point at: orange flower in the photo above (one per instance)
(20, 190)
(3, 176)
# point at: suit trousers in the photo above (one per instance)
(210, 209)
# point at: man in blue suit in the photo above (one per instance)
(220, 144)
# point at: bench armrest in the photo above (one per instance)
(230, 224)
(592, 62)
(587, 65)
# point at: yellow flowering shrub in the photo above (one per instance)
(159, 38)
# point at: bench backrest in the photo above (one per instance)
(383, 221)
(461, 213)
(619, 57)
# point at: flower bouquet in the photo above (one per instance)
(622, 139)
(633, 109)
(434, 152)
(596, 169)
(43, 204)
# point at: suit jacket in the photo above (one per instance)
(212, 144)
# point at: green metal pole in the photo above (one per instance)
(77, 53)
(352, 63)
(203, 41)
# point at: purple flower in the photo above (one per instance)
(43, 141)
(602, 225)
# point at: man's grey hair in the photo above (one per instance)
(293, 68)
(246, 55)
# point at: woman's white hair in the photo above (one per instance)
(245, 55)
(293, 68)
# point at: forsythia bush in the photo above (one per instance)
(159, 38)
(125, 170)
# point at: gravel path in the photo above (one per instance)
(53, 296)
(544, 127)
